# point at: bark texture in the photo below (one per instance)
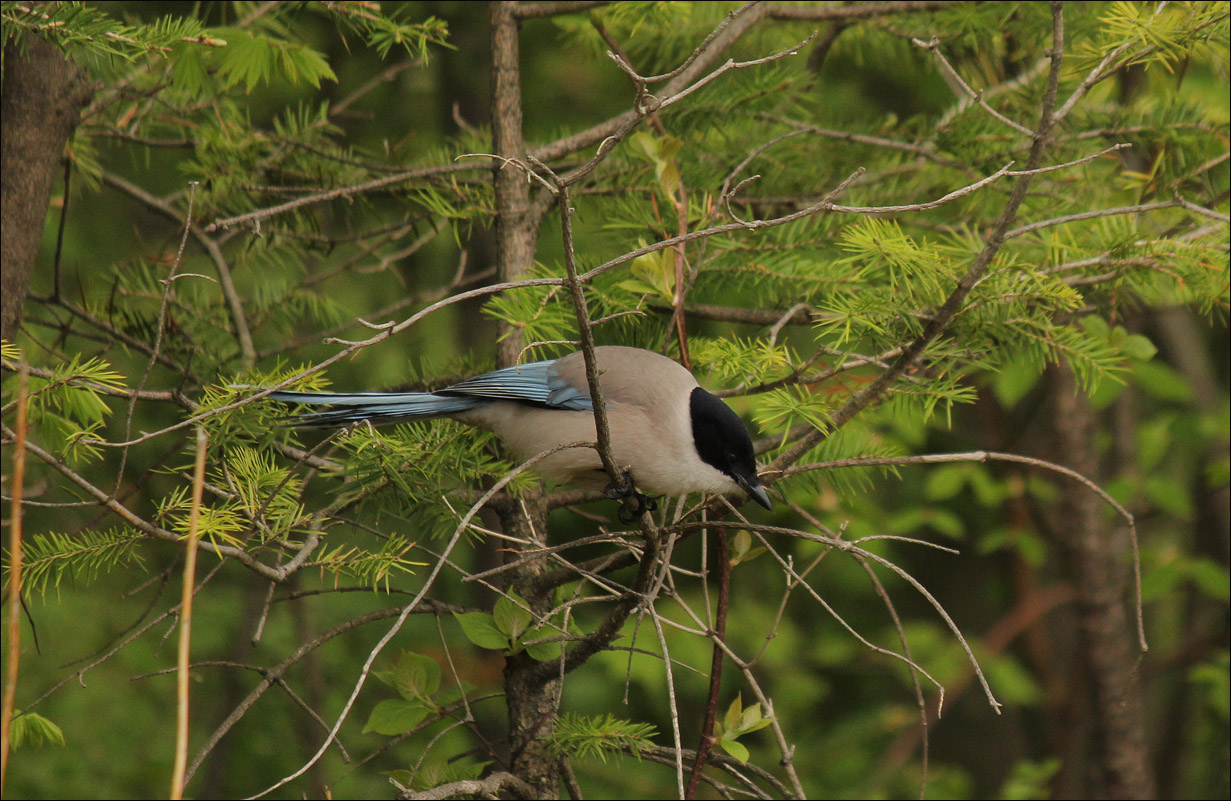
(41, 104)
(532, 702)
(1099, 566)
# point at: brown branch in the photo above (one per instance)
(182, 678)
(992, 456)
(956, 81)
(342, 192)
(586, 331)
(497, 785)
(13, 657)
(1089, 215)
(551, 9)
(706, 743)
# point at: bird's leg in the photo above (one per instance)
(633, 504)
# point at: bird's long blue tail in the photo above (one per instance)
(378, 407)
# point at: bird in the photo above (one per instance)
(668, 433)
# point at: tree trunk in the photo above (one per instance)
(43, 96)
(532, 702)
(1099, 572)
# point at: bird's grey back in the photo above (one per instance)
(628, 375)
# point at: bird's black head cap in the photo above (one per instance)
(722, 441)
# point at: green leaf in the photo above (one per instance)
(188, 72)
(34, 730)
(417, 676)
(1139, 347)
(396, 716)
(1012, 681)
(734, 748)
(662, 152)
(544, 651)
(742, 550)
(255, 59)
(1014, 379)
(752, 720)
(946, 481)
(657, 271)
(730, 721)
(512, 617)
(1211, 578)
(481, 629)
(1169, 493)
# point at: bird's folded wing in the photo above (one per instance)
(536, 383)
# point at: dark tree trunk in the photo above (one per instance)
(43, 96)
(1099, 571)
(532, 702)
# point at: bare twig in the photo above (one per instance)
(334, 194)
(1089, 215)
(958, 83)
(13, 658)
(190, 571)
(719, 633)
(494, 786)
(992, 456)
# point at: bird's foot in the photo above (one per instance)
(633, 504)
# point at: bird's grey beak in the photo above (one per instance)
(754, 490)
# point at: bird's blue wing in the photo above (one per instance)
(537, 383)
(379, 407)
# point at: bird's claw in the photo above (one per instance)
(633, 504)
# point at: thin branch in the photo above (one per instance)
(955, 79)
(163, 307)
(582, 310)
(551, 9)
(1202, 210)
(494, 786)
(993, 456)
(719, 633)
(342, 192)
(925, 151)
(79, 675)
(1089, 215)
(13, 657)
(645, 104)
(270, 676)
(182, 657)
